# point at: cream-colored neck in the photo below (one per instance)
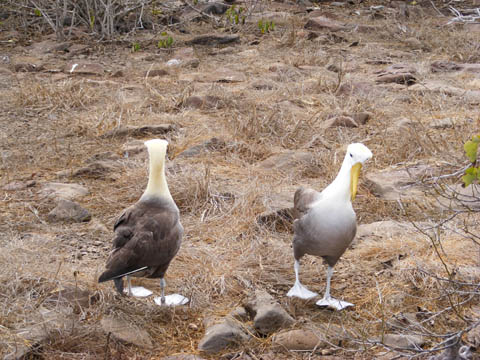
(157, 183)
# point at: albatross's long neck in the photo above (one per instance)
(157, 183)
(339, 189)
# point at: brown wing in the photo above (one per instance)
(302, 200)
(146, 234)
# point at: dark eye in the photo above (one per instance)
(351, 155)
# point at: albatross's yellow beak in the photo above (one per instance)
(354, 175)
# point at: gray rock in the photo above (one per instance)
(213, 40)
(309, 339)
(31, 337)
(441, 124)
(126, 332)
(182, 357)
(399, 341)
(397, 73)
(215, 8)
(84, 68)
(156, 72)
(299, 340)
(63, 191)
(213, 144)
(268, 316)
(321, 23)
(19, 185)
(445, 66)
(68, 211)
(393, 184)
(96, 170)
(223, 75)
(203, 102)
(220, 336)
(76, 298)
(278, 208)
(143, 130)
(239, 313)
(286, 160)
(133, 147)
(339, 121)
(381, 230)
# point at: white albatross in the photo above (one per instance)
(326, 223)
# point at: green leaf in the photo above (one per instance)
(471, 148)
(37, 12)
(471, 174)
(169, 41)
(164, 33)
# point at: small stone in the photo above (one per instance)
(268, 316)
(213, 40)
(339, 121)
(445, 66)
(403, 341)
(239, 313)
(96, 170)
(182, 357)
(144, 130)
(63, 191)
(77, 298)
(215, 8)
(220, 336)
(413, 43)
(286, 160)
(156, 72)
(84, 69)
(203, 102)
(361, 118)
(299, 340)
(126, 332)
(310, 339)
(324, 23)
(440, 124)
(19, 185)
(31, 337)
(67, 210)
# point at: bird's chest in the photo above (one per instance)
(335, 225)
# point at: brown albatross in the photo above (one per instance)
(148, 234)
(326, 222)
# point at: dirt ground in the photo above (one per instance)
(268, 94)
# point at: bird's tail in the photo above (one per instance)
(118, 274)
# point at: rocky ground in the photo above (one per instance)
(249, 116)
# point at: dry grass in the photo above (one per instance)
(56, 125)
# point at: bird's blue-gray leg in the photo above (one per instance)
(162, 286)
(298, 290)
(169, 300)
(137, 291)
(328, 300)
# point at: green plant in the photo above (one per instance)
(266, 26)
(166, 41)
(472, 174)
(135, 47)
(37, 12)
(235, 15)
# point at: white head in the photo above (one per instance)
(157, 147)
(356, 155)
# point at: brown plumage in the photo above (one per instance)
(148, 234)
